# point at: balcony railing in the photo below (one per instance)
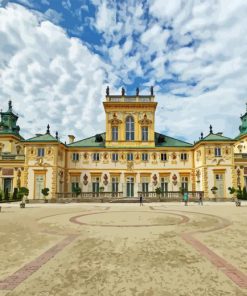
(7, 156)
(130, 99)
(90, 195)
(171, 195)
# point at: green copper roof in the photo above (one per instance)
(95, 141)
(216, 137)
(160, 141)
(165, 141)
(8, 122)
(43, 138)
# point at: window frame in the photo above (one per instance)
(184, 156)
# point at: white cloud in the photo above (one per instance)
(50, 77)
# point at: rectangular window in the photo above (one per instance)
(114, 133)
(75, 156)
(114, 156)
(144, 157)
(145, 133)
(75, 183)
(130, 156)
(184, 156)
(217, 152)
(96, 157)
(163, 157)
(41, 152)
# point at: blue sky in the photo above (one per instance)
(57, 57)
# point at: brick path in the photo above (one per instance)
(233, 273)
(12, 281)
(237, 276)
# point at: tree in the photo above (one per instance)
(23, 191)
(15, 194)
(77, 191)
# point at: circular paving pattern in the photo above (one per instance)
(129, 219)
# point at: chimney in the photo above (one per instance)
(71, 139)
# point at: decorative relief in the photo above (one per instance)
(155, 180)
(85, 179)
(130, 165)
(145, 120)
(174, 179)
(115, 120)
(105, 178)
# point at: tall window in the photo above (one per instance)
(144, 133)
(164, 184)
(217, 151)
(184, 183)
(41, 152)
(114, 133)
(115, 182)
(95, 184)
(130, 129)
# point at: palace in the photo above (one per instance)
(129, 159)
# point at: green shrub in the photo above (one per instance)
(6, 194)
(45, 192)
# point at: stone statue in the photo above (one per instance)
(48, 129)
(152, 90)
(123, 91)
(137, 91)
(210, 129)
(107, 91)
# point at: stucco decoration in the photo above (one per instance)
(85, 179)
(155, 180)
(145, 120)
(105, 178)
(174, 179)
(115, 120)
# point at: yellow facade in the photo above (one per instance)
(126, 160)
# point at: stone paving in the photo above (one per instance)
(186, 220)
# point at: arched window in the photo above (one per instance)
(130, 129)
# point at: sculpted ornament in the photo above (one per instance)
(85, 179)
(174, 179)
(145, 120)
(115, 120)
(155, 180)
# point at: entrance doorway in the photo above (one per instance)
(39, 185)
(7, 184)
(130, 186)
(219, 183)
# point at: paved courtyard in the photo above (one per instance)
(123, 249)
